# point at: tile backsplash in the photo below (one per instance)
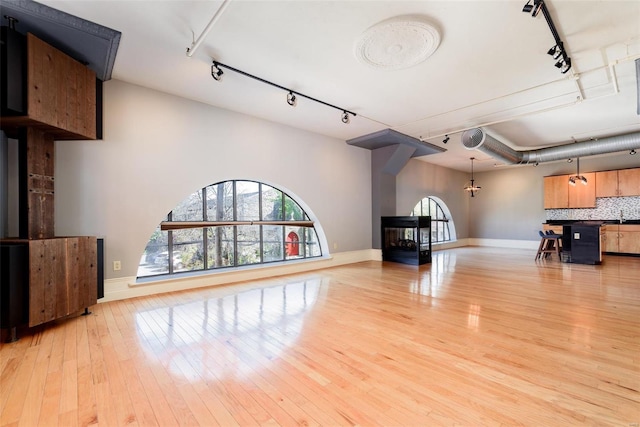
(607, 208)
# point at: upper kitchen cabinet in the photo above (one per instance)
(559, 194)
(618, 183)
(556, 192)
(583, 196)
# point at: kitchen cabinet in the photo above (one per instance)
(583, 242)
(583, 196)
(558, 194)
(60, 94)
(622, 238)
(618, 183)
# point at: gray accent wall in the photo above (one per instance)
(159, 148)
(421, 179)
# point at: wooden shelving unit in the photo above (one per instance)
(62, 273)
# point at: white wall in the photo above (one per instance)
(158, 148)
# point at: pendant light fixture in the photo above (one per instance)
(471, 187)
(577, 177)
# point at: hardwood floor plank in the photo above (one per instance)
(482, 336)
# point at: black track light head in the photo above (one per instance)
(345, 117)
(553, 50)
(537, 5)
(446, 139)
(567, 66)
(632, 152)
(527, 7)
(559, 64)
(569, 160)
(291, 99)
(216, 72)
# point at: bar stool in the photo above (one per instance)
(549, 243)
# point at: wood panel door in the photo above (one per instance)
(583, 196)
(629, 240)
(629, 182)
(63, 277)
(610, 241)
(61, 92)
(47, 280)
(607, 184)
(556, 192)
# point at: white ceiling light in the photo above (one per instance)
(397, 43)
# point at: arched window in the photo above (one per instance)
(230, 224)
(442, 228)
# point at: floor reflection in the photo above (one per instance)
(229, 335)
(431, 276)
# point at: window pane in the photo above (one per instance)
(292, 211)
(247, 201)
(190, 209)
(220, 247)
(188, 254)
(311, 243)
(293, 241)
(272, 243)
(154, 259)
(220, 201)
(248, 244)
(271, 203)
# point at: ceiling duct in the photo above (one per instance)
(477, 139)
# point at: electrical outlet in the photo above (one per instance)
(116, 266)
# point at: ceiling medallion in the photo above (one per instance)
(397, 43)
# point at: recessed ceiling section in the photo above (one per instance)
(85, 41)
(397, 43)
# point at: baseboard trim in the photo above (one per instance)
(503, 243)
(126, 287)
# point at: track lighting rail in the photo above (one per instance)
(216, 73)
(558, 50)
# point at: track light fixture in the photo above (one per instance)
(632, 152)
(446, 139)
(558, 51)
(216, 73)
(572, 180)
(569, 160)
(291, 99)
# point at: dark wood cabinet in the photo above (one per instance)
(45, 277)
(406, 239)
(60, 94)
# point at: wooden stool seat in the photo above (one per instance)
(549, 243)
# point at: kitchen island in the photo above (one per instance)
(582, 242)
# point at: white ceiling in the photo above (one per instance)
(491, 68)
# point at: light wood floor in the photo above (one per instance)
(480, 337)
